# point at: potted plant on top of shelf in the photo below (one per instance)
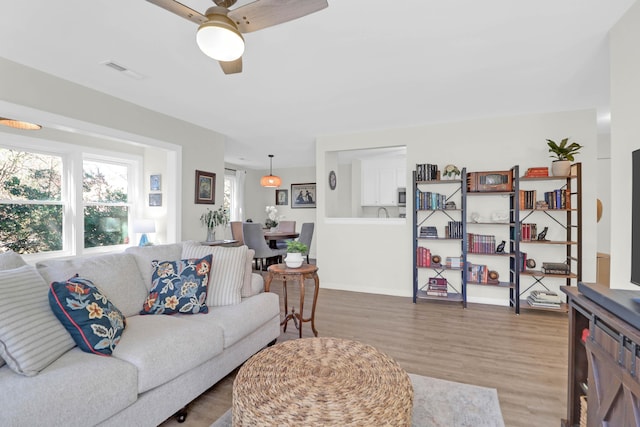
(564, 154)
(295, 249)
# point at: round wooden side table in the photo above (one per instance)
(284, 273)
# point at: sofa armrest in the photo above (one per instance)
(257, 284)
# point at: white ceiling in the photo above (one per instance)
(358, 65)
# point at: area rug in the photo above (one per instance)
(440, 403)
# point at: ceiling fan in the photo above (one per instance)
(219, 28)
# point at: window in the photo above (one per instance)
(31, 206)
(105, 189)
(38, 201)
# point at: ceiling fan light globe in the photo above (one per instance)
(220, 40)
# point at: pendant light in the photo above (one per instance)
(270, 181)
(19, 124)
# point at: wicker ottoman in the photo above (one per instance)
(322, 382)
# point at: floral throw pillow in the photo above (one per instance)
(179, 287)
(95, 324)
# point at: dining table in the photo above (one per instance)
(273, 236)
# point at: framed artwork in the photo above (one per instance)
(303, 195)
(282, 197)
(155, 199)
(205, 188)
(155, 182)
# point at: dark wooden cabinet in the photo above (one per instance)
(604, 364)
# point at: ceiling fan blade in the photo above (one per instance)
(231, 67)
(266, 13)
(180, 10)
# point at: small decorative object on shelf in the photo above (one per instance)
(436, 259)
(451, 172)
(531, 263)
(493, 275)
(500, 216)
(450, 205)
(500, 248)
(543, 234)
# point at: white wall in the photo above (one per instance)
(377, 257)
(625, 138)
(79, 114)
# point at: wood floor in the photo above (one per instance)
(524, 357)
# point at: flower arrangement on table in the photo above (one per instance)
(272, 217)
(212, 219)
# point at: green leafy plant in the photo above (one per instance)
(296, 246)
(212, 219)
(563, 151)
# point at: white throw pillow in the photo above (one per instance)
(8, 261)
(31, 337)
(227, 271)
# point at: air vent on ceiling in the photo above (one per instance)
(123, 70)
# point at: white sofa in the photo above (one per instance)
(161, 363)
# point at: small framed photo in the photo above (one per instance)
(155, 182)
(303, 195)
(282, 197)
(155, 199)
(205, 188)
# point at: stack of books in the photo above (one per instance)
(437, 287)
(555, 268)
(428, 232)
(544, 298)
(537, 172)
(481, 243)
(454, 262)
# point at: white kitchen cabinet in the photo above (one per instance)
(380, 182)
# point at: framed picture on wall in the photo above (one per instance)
(205, 187)
(282, 197)
(155, 199)
(155, 182)
(303, 195)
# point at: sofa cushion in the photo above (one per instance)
(78, 389)
(116, 275)
(144, 255)
(30, 335)
(179, 287)
(164, 347)
(240, 320)
(92, 320)
(8, 261)
(247, 290)
(227, 271)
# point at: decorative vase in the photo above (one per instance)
(293, 259)
(273, 229)
(211, 234)
(561, 167)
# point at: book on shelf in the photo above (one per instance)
(544, 298)
(481, 243)
(527, 199)
(558, 199)
(423, 257)
(429, 200)
(437, 286)
(537, 172)
(555, 268)
(453, 230)
(528, 231)
(427, 172)
(428, 232)
(453, 262)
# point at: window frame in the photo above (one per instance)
(71, 192)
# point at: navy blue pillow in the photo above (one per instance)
(95, 324)
(179, 287)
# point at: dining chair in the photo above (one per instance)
(306, 234)
(236, 232)
(254, 239)
(287, 227)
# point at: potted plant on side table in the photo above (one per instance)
(564, 155)
(295, 249)
(213, 219)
